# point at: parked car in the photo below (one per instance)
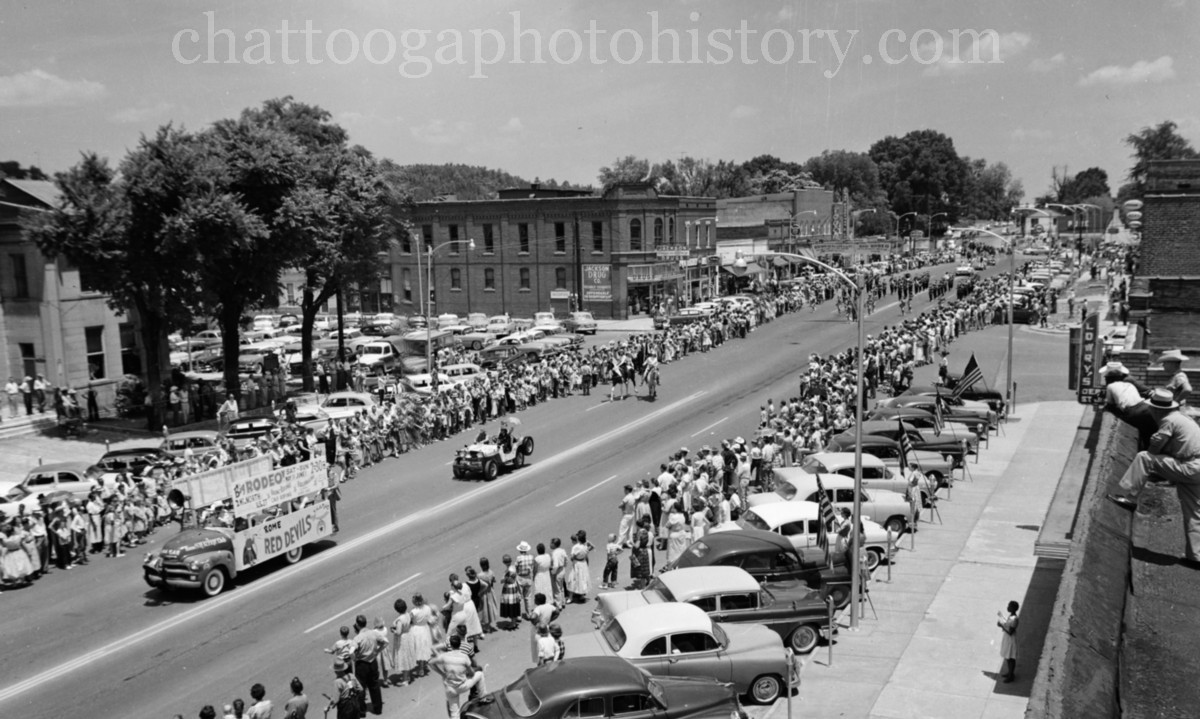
(477, 321)
(264, 322)
(246, 431)
(991, 397)
(681, 640)
(501, 325)
(924, 420)
(879, 473)
(947, 446)
(202, 443)
(769, 558)
(798, 523)
(312, 417)
(793, 484)
(606, 687)
(950, 409)
(792, 609)
(133, 460)
(378, 357)
(447, 319)
(581, 322)
(477, 340)
(342, 405)
(62, 480)
(931, 463)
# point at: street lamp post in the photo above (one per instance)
(856, 539)
(1012, 274)
(433, 376)
(899, 218)
(929, 225)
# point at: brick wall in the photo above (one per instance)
(1171, 219)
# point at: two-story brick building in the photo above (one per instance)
(51, 323)
(616, 254)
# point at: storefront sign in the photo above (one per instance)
(560, 294)
(277, 535)
(254, 494)
(597, 283)
(671, 252)
(657, 272)
(1091, 389)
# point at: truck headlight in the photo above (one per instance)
(196, 566)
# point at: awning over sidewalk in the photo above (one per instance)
(751, 268)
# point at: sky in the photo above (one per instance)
(559, 89)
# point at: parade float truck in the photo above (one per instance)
(240, 516)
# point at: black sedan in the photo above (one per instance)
(977, 393)
(133, 460)
(606, 687)
(946, 446)
(926, 421)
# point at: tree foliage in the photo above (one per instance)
(121, 231)
(1161, 142)
(13, 170)
(427, 182)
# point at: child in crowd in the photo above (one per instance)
(613, 548)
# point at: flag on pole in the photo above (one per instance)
(971, 374)
(906, 446)
(825, 524)
(939, 420)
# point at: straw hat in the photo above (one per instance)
(523, 547)
(1114, 368)
(1173, 356)
(1162, 398)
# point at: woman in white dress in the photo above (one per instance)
(423, 618)
(404, 662)
(541, 572)
(579, 577)
(463, 609)
(679, 534)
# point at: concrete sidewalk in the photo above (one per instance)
(933, 651)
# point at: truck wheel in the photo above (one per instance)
(490, 469)
(213, 582)
(804, 639)
(477, 345)
(294, 555)
(519, 458)
(527, 445)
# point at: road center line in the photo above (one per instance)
(56, 673)
(714, 424)
(580, 494)
(347, 610)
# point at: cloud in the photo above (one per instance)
(347, 117)
(1021, 134)
(1159, 70)
(514, 124)
(990, 48)
(1047, 64)
(38, 88)
(441, 132)
(141, 113)
(742, 112)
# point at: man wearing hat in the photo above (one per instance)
(1126, 399)
(1173, 457)
(1172, 361)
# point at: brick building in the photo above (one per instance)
(617, 254)
(1165, 293)
(50, 322)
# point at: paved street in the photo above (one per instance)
(406, 525)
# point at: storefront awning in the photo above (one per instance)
(751, 268)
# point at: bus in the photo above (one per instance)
(414, 346)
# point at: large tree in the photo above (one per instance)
(921, 172)
(253, 168)
(1161, 142)
(120, 230)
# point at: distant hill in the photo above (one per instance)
(422, 183)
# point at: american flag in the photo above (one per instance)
(971, 374)
(939, 419)
(906, 446)
(825, 525)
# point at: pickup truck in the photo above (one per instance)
(378, 357)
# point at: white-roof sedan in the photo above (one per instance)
(798, 523)
(342, 405)
(681, 640)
